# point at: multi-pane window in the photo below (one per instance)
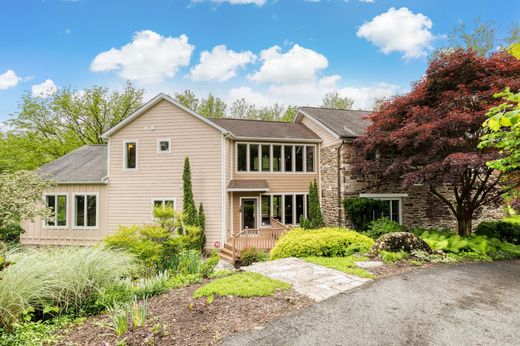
(242, 157)
(277, 208)
(58, 205)
(256, 157)
(266, 157)
(164, 202)
(277, 158)
(309, 158)
(390, 209)
(266, 210)
(287, 149)
(287, 208)
(298, 157)
(130, 155)
(85, 210)
(253, 158)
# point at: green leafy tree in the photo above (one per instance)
(314, 217)
(481, 39)
(44, 129)
(188, 202)
(188, 99)
(241, 109)
(212, 107)
(289, 114)
(21, 198)
(334, 100)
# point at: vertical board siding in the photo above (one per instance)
(36, 234)
(160, 174)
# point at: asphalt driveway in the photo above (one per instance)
(473, 304)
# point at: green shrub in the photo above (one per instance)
(241, 285)
(328, 242)
(503, 230)
(192, 262)
(361, 211)
(475, 247)
(383, 226)
(66, 278)
(36, 333)
(392, 257)
(251, 255)
(11, 233)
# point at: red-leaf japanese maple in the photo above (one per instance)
(430, 135)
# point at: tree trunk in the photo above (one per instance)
(464, 225)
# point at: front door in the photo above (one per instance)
(248, 213)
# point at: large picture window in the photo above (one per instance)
(286, 208)
(58, 205)
(85, 210)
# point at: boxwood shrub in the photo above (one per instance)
(327, 242)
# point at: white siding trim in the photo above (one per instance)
(67, 210)
(223, 206)
(159, 140)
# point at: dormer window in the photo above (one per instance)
(163, 146)
(130, 157)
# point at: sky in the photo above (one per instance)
(287, 51)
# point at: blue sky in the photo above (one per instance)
(287, 51)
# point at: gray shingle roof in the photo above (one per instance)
(87, 164)
(345, 123)
(243, 128)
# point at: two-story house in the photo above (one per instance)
(251, 176)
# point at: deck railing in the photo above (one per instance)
(259, 238)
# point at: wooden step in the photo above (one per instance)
(226, 254)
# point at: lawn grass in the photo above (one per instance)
(241, 285)
(344, 264)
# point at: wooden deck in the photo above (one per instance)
(259, 238)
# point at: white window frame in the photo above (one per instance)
(125, 142)
(282, 206)
(44, 220)
(159, 140)
(85, 194)
(162, 199)
(271, 158)
(388, 197)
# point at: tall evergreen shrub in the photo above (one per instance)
(188, 202)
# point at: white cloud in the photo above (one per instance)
(365, 96)
(298, 65)
(251, 96)
(368, 1)
(149, 58)
(44, 89)
(220, 64)
(399, 31)
(236, 2)
(8, 79)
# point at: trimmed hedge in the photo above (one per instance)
(503, 230)
(327, 242)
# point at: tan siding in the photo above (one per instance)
(229, 174)
(326, 136)
(36, 234)
(160, 175)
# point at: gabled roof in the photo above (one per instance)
(150, 104)
(274, 130)
(87, 164)
(343, 123)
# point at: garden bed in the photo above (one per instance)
(176, 318)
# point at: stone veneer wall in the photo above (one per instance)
(420, 208)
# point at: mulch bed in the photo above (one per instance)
(175, 318)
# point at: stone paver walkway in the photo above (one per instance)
(312, 280)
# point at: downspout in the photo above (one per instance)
(339, 181)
